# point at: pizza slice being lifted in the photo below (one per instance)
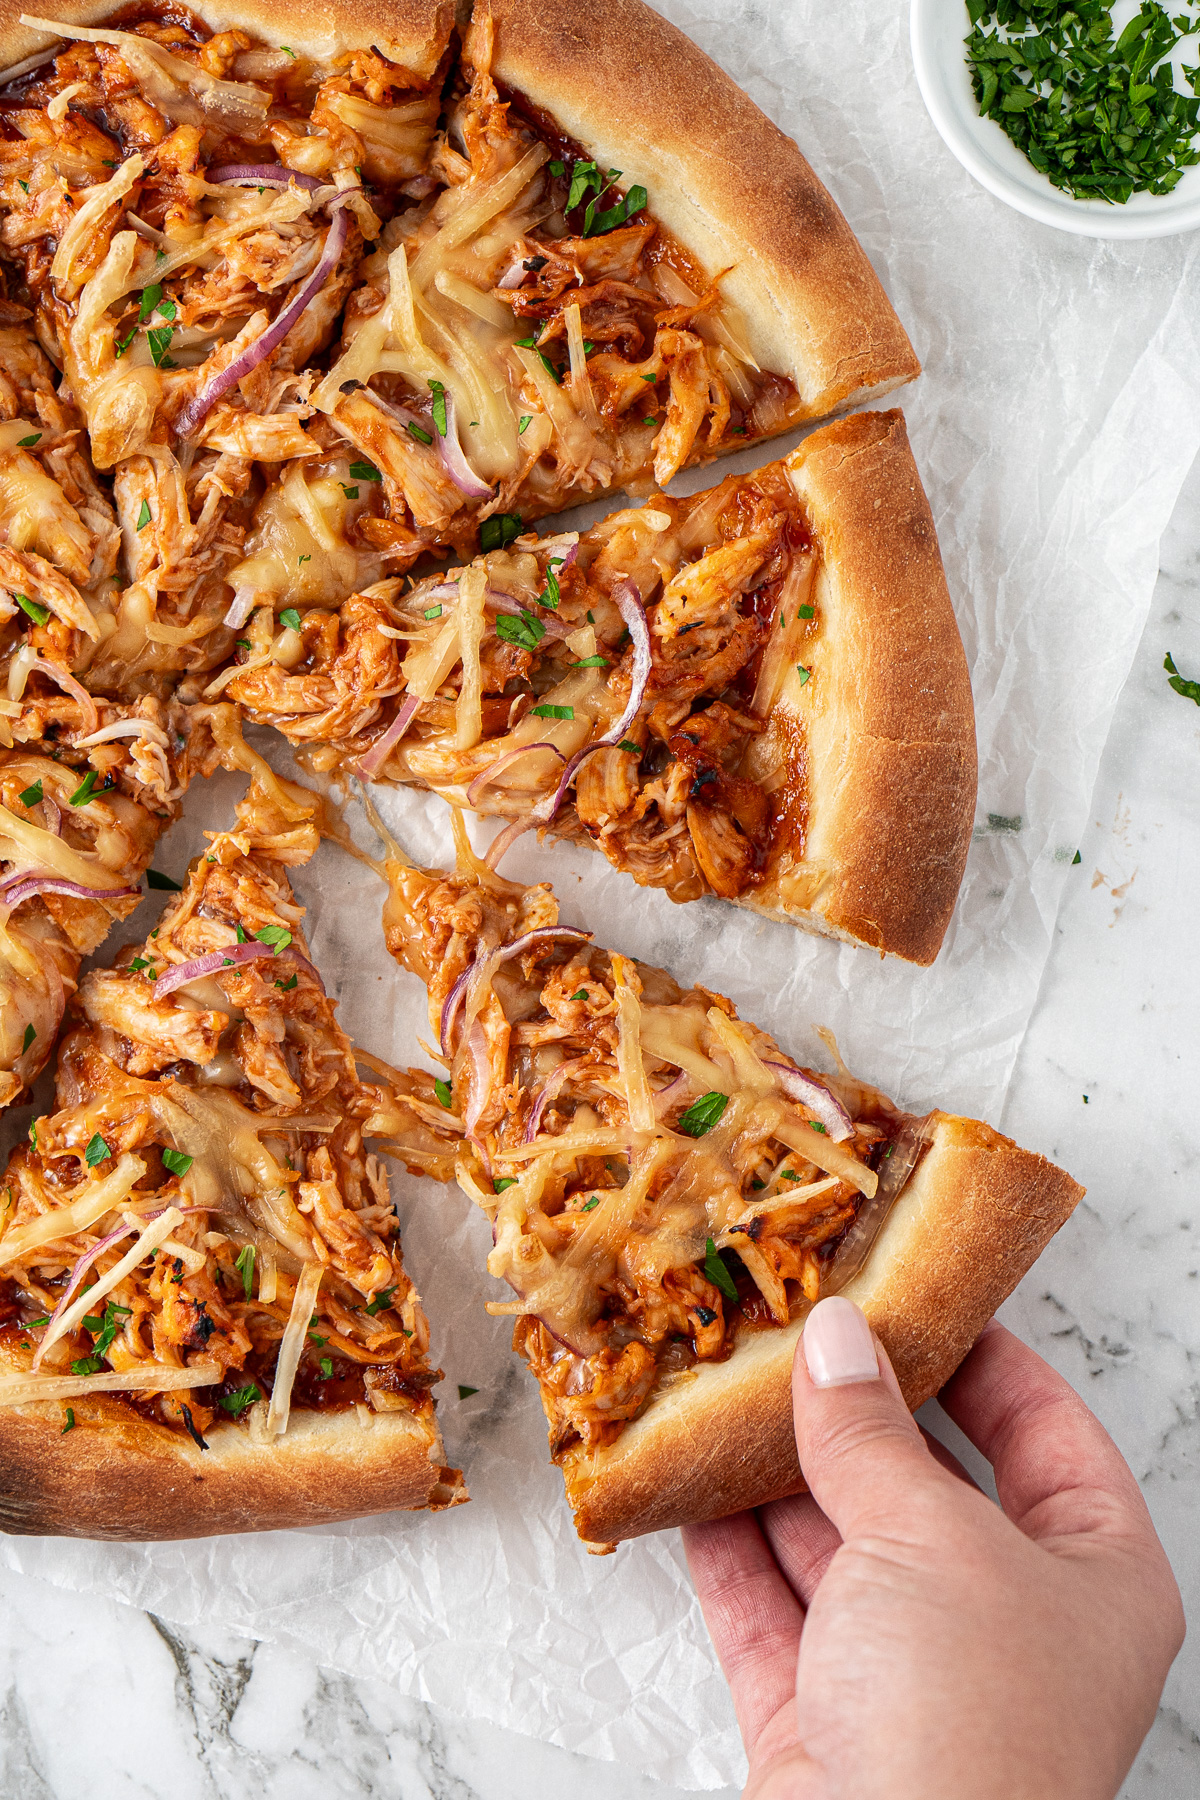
(669, 1193)
(758, 691)
(205, 1321)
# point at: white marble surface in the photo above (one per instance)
(170, 1716)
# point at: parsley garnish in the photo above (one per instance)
(717, 1271)
(1100, 119)
(815, 1125)
(143, 518)
(464, 1393)
(442, 1090)
(30, 1034)
(439, 407)
(96, 1152)
(525, 419)
(499, 530)
(592, 662)
(245, 1267)
(414, 430)
(177, 1162)
(703, 1114)
(579, 994)
(237, 1403)
(364, 471)
(351, 493)
(22, 184)
(85, 791)
(150, 298)
(806, 612)
(380, 1301)
(433, 612)
(287, 986)
(159, 341)
(288, 51)
(33, 794)
(590, 1205)
(525, 632)
(27, 443)
(70, 1424)
(503, 1181)
(290, 618)
(326, 1368)
(553, 712)
(550, 595)
(39, 614)
(121, 345)
(156, 879)
(803, 673)
(628, 744)
(276, 935)
(1181, 683)
(557, 168)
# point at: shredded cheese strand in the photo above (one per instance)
(291, 1347)
(150, 1239)
(160, 1378)
(90, 1206)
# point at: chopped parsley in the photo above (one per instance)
(1181, 684)
(439, 407)
(143, 518)
(503, 1181)
(557, 168)
(816, 1125)
(550, 595)
(288, 51)
(499, 530)
(717, 1270)
(326, 1368)
(553, 712)
(159, 341)
(30, 1034)
(525, 632)
(287, 986)
(414, 430)
(433, 612)
(24, 185)
(27, 443)
(121, 345)
(1077, 858)
(628, 744)
(592, 662)
(85, 791)
(380, 1301)
(804, 674)
(70, 1424)
(703, 1114)
(150, 298)
(236, 1404)
(32, 795)
(364, 471)
(177, 1162)
(138, 964)
(245, 1268)
(442, 1090)
(579, 994)
(351, 493)
(103, 1330)
(525, 419)
(806, 612)
(39, 614)
(1098, 118)
(290, 618)
(464, 1393)
(156, 879)
(590, 1205)
(652, 379)
(278, 936)
(96, 1152)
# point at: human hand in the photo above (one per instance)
(893, 1635)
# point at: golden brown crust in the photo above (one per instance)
(725, 181)
(413, 33)
(118, 1476)
(885, 714)
(971, 1222)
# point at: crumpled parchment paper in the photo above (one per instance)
(1057, 415)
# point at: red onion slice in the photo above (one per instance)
(240, 609)
(210, 964)
(505, 839)
(201, 404)
(496, 769)
(830, 1111)
(545, 934)
(80, 1269)
(667, 1097)
(552, 627)
(370, 764)
(263, 175)
(23, 887)
(454, 460)
(549, 1092)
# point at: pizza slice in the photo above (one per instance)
(669, 1193)
(207, 1325)
(758, 691)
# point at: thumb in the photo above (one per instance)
(859, 1448)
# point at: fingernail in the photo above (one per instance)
(838, 1347)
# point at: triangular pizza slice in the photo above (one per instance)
(207, 1324)
(758, 691)
(669, 1192)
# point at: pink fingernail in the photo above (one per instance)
(838, 1347)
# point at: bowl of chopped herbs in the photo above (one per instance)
(1085, 116)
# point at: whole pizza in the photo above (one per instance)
(298, 345)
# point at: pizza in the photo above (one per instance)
(757, 692)
(670, 1192)
(205, 1320)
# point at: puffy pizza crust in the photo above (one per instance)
(725, 181)
(885, 717)
(118, 1476)
(414, 33)
(971, 1222)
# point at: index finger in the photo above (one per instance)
(1057, 1469)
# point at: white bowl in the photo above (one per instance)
(986, 152)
